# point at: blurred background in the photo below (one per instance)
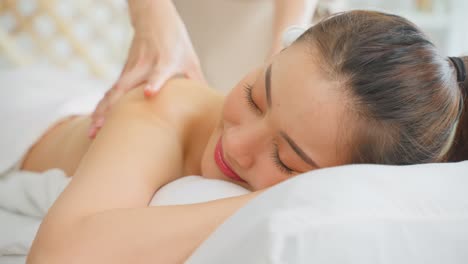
(92, 37)
(84, 36)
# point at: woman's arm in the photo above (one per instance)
(138, 150)
(162, 234)
(288, 13)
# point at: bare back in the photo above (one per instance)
(65, 142)
(61, 147)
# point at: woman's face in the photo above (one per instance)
(282, 119)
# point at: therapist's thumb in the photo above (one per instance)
(158, 78)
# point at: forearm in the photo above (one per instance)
(143, 12)
(166, 234)
(291, 12)
(163, 234)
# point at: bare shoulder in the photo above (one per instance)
(175, 91)
(176, 95)
(179, 102)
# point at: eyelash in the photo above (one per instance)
(275, 153)
(249, 99)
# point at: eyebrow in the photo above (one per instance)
(288, 139)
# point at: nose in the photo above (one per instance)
(243, 142)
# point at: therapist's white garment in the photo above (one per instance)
(231, 37)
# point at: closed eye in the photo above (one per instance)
(275, 153)
(279, 164)
(248, 97)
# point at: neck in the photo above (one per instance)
(199, 133)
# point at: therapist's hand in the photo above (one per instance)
(160, 49)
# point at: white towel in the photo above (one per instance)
(25, 198)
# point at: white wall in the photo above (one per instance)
(445, 23)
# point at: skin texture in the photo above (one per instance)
(147, 143)
(66, 142)
(62, 146)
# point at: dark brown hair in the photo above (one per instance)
(459, 150)
(408, 105)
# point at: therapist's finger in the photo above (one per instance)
(127, 81)
(158, 77)
(99, 117)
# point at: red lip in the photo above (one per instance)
(222, 164)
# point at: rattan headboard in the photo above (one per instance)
(84, 35)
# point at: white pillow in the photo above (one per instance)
(195, 189)
(351, 214)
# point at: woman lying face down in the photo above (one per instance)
(359, 87)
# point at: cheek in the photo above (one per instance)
(265, 174)
(232, 110)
